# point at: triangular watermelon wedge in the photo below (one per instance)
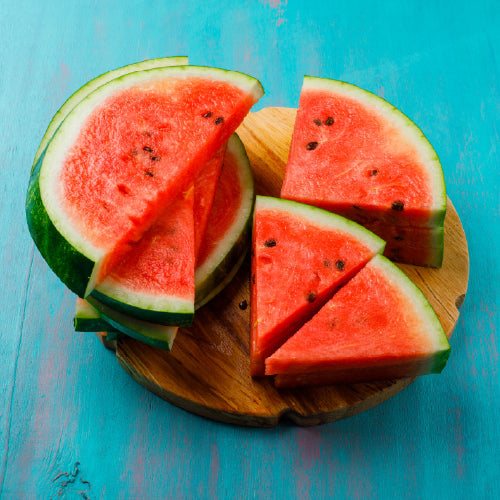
(154, 282)
(121, 156)
(378, 326)
(355, 154)
(301, 255)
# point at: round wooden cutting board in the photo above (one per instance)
(208, 370)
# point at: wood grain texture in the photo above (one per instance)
(208, 370)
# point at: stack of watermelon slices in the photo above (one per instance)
(326, 306)
(128, 167)
(356, 155)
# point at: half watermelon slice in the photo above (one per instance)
(377, 327)
(301, 255)
(121, 156)
(355, 154)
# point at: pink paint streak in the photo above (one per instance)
(279, 6)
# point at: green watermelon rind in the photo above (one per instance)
(150, 333)
(81, 253)
(164, 310)
(87, 319)
(403, 123)
(217, 271)
(324, 217)
(424, 309)
(92, 85)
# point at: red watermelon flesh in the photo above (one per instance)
(138, 150)
(354, 154)
(301, 255)
(205, 186)
(378, 326)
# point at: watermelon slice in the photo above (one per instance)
(151, 333)
(302, 254)
(354, 153)
(88, 319)
(378, 326)
(155, 280)
(121, 156)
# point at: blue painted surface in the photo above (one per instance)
(73, 424)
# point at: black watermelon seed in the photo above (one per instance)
(253, 279)
(219, 120)
(373, 172)
(340, 265)
(311, 297)
(270, 243)
(311, 146)
(398, 205)
(243, 305)
(148, 149)
(148, 173)
(398, 238)
(155, 158)
(356, 207)
(207, 115)
(317, 122)
(329, 121)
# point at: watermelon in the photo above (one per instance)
(355, 154)
(378, 326)
(120, 158)
(225, 242)
(301, 255)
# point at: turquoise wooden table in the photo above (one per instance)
(74, 424)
